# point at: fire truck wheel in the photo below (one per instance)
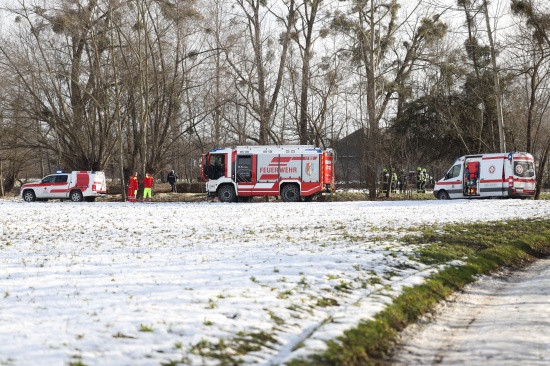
(29, 196)
(76, 196)
(443, 195)
(290, 193)
(226, 193)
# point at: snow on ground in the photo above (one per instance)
(496, 321)
(145, 284)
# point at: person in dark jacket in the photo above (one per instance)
(172, 178)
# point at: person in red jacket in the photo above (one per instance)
(148, 187)
(133, 186)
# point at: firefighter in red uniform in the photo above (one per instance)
(148, 187)
(133, 186)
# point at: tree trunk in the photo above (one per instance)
(500, 118)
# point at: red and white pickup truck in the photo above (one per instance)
(77, 186)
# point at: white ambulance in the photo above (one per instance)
(292, 172)
(76, 186)
(489, 175)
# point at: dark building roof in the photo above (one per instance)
(353, 145)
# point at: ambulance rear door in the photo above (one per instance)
(523, 179)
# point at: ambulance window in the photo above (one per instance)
(61, 179)
(49, 179)
(524, 169)
(453, 172)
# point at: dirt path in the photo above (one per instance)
(496, 321)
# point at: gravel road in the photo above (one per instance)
(502, 320)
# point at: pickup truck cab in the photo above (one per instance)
(76, 185)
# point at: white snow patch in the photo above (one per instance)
(87, 281)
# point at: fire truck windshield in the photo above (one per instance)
(216, 166)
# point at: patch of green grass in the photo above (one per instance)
(146, 328)
(211, 304)
(284, 294)
(375, 280)
(251, 342)
(344, 286)
(326, 301)
(170, 363)
(482, 248)
(278, 320)
(230, 351)
(77, 363)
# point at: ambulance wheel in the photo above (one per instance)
(227, 194)
(29, 196)
(76, 196)
(290, 193)
(443, 195)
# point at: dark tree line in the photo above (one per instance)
(148, 85)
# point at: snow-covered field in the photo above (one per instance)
(145, 284)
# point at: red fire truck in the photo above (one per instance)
(289, 171)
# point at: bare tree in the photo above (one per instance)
(59, 65)
(260, 85)
(537, 15)
(372, 27)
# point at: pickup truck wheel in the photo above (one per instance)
(443, 195)
(290, 193)
(76, 196)
(29, 196)
(227, 193)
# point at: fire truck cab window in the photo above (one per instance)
(244, 169)
(454, 172)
